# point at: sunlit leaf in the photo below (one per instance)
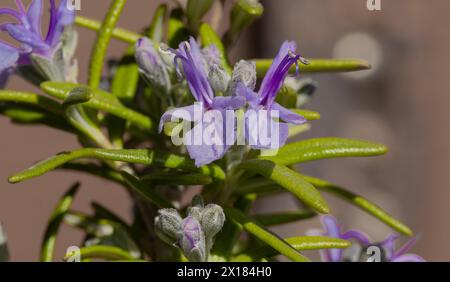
(269, 238)
(290, 180)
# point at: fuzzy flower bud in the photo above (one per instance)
(212, 220)
(192, 240)
(168, 225)
(244, 72)
(151, 65)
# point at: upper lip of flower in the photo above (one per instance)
(191, 60)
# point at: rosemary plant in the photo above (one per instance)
(138, 121)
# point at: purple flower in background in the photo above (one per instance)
(214, 129)
(262, 106)
(402, 254)
(361, 243)
(27, 31)
(333, 229)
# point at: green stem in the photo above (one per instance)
(103, 39)
(118, 33)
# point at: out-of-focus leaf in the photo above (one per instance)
(177, 31)
(290, 180)
(102, 101)
(103, 38)
(126, 77)
(309, 115)
(318, 65)
(147, 157)
(282, 218)
(303, 243)
(243, 13)
(275, 242)
(48, 244)
(172, 178)
(195, 10)
(156, 30)
(323, 148)
(103, 252)
(30, 115)
(361, 203)
(118, 33)
(146, 191)
(31, 99)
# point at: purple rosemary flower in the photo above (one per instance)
(34, 48)
(214, 123)
(333, 229)
(263, 110)
(361, 243)
(401, 255)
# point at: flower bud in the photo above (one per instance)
(218, 78)
(168, 225)
(151, 65)
(212, 220)
(244, 72)
(192, 240)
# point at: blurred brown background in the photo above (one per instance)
(403, 103)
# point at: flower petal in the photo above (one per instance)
(34, 15)
(208, 141)
(264, 133)
(25, 36)
(194, 70)
(277, 72)
(187, 113)
(8, 56)
(59, 19)
(228, 102)
(409, 258)
(332, 230)
(287, 115)
(251, 96)
(357, 235)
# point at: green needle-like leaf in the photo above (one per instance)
(146, 192)
(318, 65)
(324, 148)
(309, 115)
(32, 100)
(126, 78)
(48, 244)
(361, 203)
(299, 243)
(282, 218)
(118, 33)
(147, 157)
(290, 180)
(102, 252)
(277, 243)
(103, 39)
(102, 101)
